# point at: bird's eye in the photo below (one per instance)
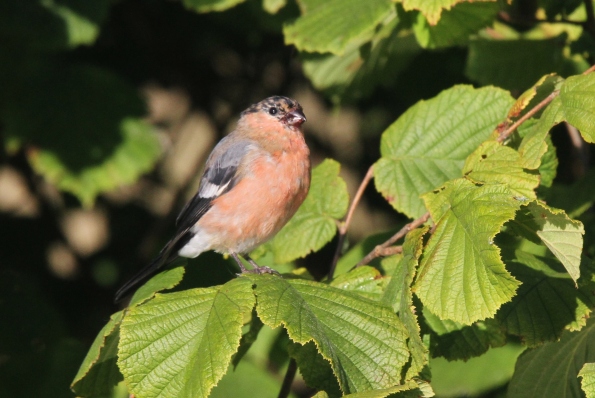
(273, 111)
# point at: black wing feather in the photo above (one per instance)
(220, 176)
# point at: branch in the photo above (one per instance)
(345, 225)
(383, 248)
(506, 133)
(288, 379)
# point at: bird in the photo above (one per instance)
(253, 182)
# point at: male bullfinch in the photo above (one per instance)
(253, 183)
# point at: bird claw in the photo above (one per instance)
(261, 270)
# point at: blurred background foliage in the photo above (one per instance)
(108, 109)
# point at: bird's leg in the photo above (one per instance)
(240, 263)
(257, 268)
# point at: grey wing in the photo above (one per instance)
(220, 176)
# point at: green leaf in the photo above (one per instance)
(495, 163)
(477, 376)
(361, 69)
(455, 25)
(365, 280)
(547, 301)
(462, 276)
(210, 5)
(400, 285)
(534, 144)
(588, 379)
(513, 64)
(180, 344)
(99, 373)
(95, 143)
(577, 98)
(429, 143)
(549, 164)
(363, 341)
(135, 155)
(455, 341)
(417, 389)
(273, 6)
(545, 86)
(51, 25)
(316, 370)
(551, 370)
(319, 29)
(164, 280)
(248, 339)
(431, 9)
(315, 223)
(563, 236)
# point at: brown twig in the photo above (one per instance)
(591, 69)
(345, 225)
(506, 133)
(380, 249)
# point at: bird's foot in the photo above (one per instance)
(262, 270)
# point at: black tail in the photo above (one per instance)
(168, 254)
(159, 262)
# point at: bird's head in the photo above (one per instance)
(283, 109)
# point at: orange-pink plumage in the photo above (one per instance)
(254, 181)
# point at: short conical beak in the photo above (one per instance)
(296, 117)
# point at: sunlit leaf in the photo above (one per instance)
(545, 86)
(211, 5)
(577, 98)
(365, 342)
(361, 69)
(429, 143)
(431, 9)
(365, 280)
(400, 285)
(560, 234)
(181, 344)
(495, 163)
(273, 6)
(534, 144)
(164, 280)
(587, 374)
(462, 276)
(455, 25)
(319, 29)
(99, 373)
